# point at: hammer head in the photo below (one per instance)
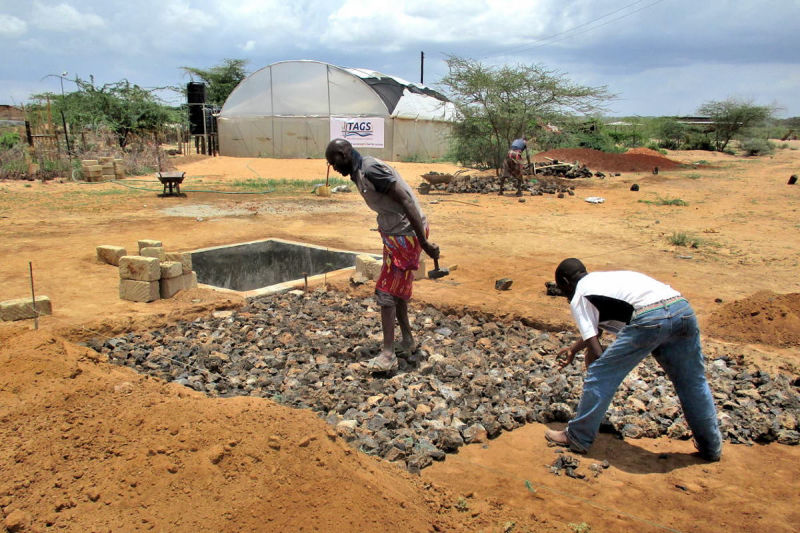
(437, 273)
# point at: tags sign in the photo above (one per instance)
(359, 131)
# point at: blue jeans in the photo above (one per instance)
(673, 334)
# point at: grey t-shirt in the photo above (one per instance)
(373, 178)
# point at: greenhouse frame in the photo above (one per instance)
(292, 109)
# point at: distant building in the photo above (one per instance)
(10, 112)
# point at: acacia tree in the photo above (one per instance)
(497, 104)
(220, 79)
(123, 107)
(732, 116)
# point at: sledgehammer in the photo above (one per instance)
(437, 272)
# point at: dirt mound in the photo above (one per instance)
(86, 446)
(597, 160)
(765, 317)
(645, 151)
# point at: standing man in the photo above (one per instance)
(404, 230)
(647, 317)
(512, 165)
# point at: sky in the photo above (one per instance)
(659, 57)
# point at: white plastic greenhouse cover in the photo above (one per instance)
(314, 89)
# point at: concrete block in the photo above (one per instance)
(421, 272)
(171, 269)
(138, 291)
(147, 243)
(368, 266)
(374, 268)
(22, 308)
(110, 254)
(170, 286)
(136, 267)
(89, 162)
(185, 258)
(153, 251)
(361, 264)
(190, 280)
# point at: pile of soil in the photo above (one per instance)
(632, 161)
(87, 446)
(765, 317)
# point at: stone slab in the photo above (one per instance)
(22, 308)
(138, 291)
(421, 272)
(138, 268)
(171, 269)
(110, 254)
(148, 243)
(185, 258)
(153, 251)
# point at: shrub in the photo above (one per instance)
(756, 146)
(697, 141)
(9, 139)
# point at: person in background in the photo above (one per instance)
(512, 165)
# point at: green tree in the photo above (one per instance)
(732, 116)
(500, 103)
(123, 107)
(220, 79)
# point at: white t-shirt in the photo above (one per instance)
(608, 299)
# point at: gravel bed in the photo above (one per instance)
(472, 377)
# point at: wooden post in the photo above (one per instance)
(33, 299)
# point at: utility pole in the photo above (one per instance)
(421, 68)
(64, 120)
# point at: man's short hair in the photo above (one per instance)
(568, 270)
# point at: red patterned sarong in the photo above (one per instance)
(400, 260)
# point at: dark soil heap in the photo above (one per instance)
(608, 162)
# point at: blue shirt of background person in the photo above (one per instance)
(519, 144)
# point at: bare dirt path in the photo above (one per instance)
(740, 211)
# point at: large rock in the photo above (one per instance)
(22, 308)
(110, 254)
(139, 268)
(138, 291)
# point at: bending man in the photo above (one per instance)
(404, 230)
(512, 165)
(647, 317)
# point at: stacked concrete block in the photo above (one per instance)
(153, 251)
(368, 267)
(139, 278)
(92, 170)
(149, 243)
(22, 308)
(107, 166)
(119, 169)
(184, 258)
(172, 279)
(110, 254)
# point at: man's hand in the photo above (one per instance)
(431, 249)
(569, 352)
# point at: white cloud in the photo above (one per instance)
(12, 27)
(63, 17)
(181, 13)
(248, 46)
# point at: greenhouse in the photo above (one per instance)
(294, 108)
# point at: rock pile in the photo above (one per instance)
(491, 184)
(472, 378)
